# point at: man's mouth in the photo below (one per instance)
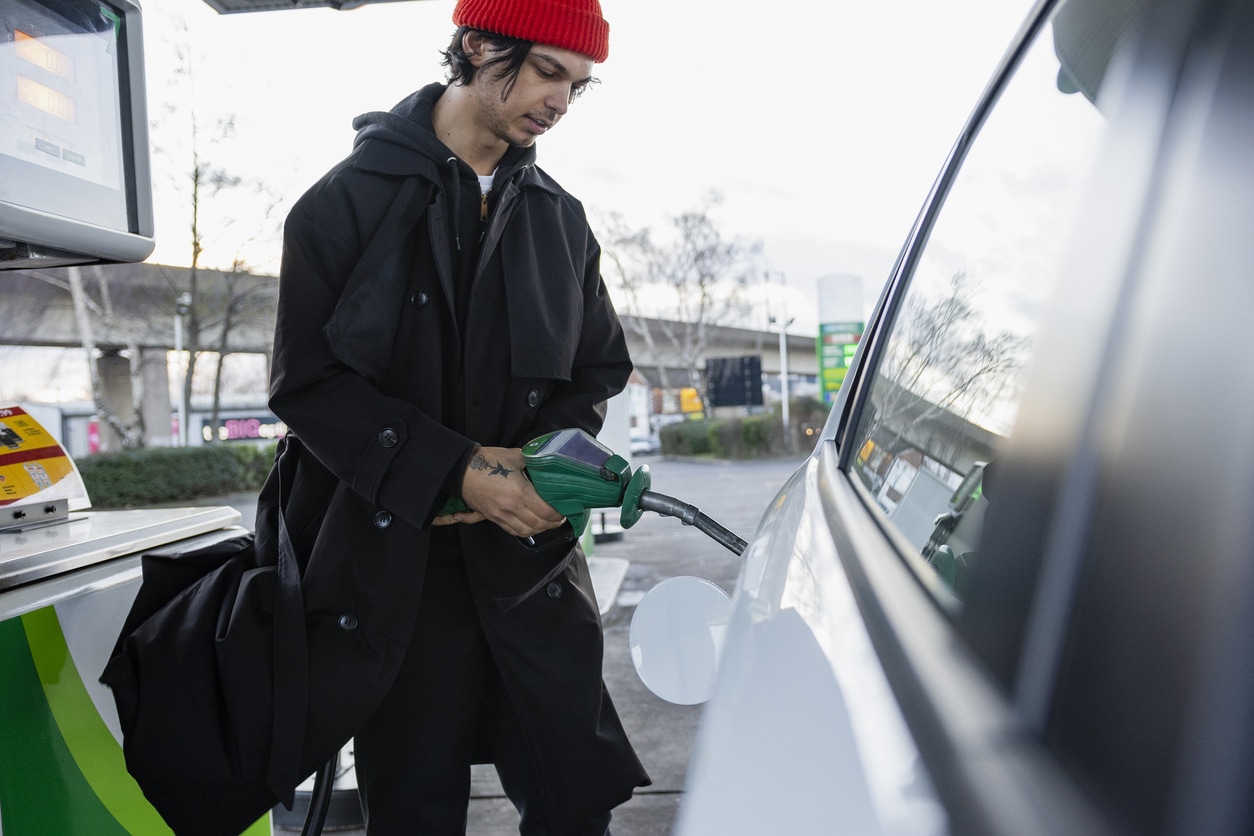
(538, 124)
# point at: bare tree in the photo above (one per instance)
(206, 183)
(241, 297)
(621, 245)
(697, 279)
(944, 359)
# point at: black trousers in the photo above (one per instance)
(446, 706)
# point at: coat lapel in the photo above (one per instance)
(370, 305)
(542, 255)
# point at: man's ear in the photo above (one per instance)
(476, 47)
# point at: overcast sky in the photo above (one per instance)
(821, 124)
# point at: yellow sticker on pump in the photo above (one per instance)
(33, 465)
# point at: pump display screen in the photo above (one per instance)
(575, 446)
(63, 108)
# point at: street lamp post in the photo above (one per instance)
(783, 357)
(181, 307)
(783, 377)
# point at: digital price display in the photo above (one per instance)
(49, 101)
(32, 49)
(73, 137)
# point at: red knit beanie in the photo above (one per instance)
(576, 25)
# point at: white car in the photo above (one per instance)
(1012, 590)
(644, 445)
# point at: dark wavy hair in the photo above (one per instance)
(511, 54)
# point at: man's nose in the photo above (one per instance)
(559, 99)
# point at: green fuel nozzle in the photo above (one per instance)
(575, 473)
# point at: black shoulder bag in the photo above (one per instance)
(210, 674)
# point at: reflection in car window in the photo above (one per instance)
(946, 390)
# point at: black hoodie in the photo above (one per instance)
(409, 127)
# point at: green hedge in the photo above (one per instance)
(685, 438)
(759, 435)
(749, 437)
(161, 475)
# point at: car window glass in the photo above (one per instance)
(945, 391)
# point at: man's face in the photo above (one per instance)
(548, 81)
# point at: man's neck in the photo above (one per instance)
(453, 118)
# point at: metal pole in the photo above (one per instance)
(783, 380)
(178, 355)
(180, 311)
(783, 357)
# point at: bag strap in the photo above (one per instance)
(291, 657)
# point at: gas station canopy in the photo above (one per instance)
(234, 6)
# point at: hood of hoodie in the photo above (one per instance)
(403, 141)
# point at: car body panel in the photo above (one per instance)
(1100, 678)
(805, 682)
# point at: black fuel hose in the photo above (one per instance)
(320, 798)
(669, 506)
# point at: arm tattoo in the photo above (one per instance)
(478, 462)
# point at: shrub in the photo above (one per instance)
(755, 436)
(748, 437)
(760, 435)
(161, 475)
(685, 438)
(725, 438)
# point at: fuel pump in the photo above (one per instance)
(575, 473)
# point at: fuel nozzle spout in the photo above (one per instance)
(638, 498)
(668, 506)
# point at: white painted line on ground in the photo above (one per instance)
(631, 597)
(607, 576)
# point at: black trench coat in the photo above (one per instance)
(363, 338)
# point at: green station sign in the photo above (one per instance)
(836, 345)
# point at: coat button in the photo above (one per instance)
(419, 299)
(554, 590)
(348, 621)
(533, 398)
(382, 519)
(388, 437)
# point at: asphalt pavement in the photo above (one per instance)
(735, 494)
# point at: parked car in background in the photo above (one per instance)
(1012, 590)
(645, 445)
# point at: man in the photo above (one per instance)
(440, 305)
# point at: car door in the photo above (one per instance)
(908, 650)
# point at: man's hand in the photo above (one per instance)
(497, 490)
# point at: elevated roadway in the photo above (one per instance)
(137, 304)
(132, 308)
